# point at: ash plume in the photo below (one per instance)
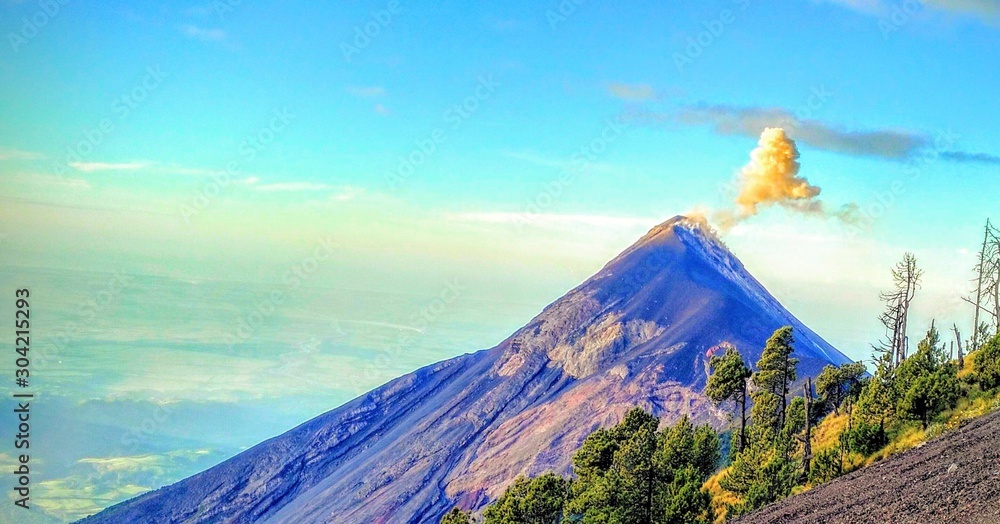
(772, 179)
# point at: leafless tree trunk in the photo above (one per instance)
(743, 414)
(987, 283)
(906, 280)
(807, 443)
(958, 341)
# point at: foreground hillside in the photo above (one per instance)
(954, 478)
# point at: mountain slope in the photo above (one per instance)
(952, 479)
(639, 332)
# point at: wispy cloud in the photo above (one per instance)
(633, 92)
(15, 154)
(510, 25)
(52, 181)
(552, 220)
(90, 167)
(888, 144)
(751, 121)
(292, 186)
(367, 91)
(381, 110)
(347, 193)
(147, 166)
(569, 163)
(986, 10)
(971, 158)
(202, 33)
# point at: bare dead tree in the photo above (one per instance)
(906, 280)
(807, 441)
(958, 341)
(987, 292)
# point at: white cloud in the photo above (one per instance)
(555, 220)
(367, 91)
(52, 181)
(347, 193)
(292, 186)
(633, 92)
(90, 167)
(201, 33)
(15, 154)
(986, 10)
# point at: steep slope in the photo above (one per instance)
(639, 332)
(952, 479)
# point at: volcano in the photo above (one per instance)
(638, 333)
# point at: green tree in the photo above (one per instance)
(927, 381)
(539, 500)
(987, 364)
(685, 500)
(759, 476)
(865, 438)
(826, 466)
(728, 383)
(835, 384)
(632, 473)
(457, 516)
(636, 477)
(775, 374)
(614, 471)
(878, 398)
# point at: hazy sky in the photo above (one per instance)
(509, 149)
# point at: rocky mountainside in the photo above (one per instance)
(639, 332)
(953, 479)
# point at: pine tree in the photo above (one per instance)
(651, 476)
(775, 374)
(457, 516)
(927, 381)
(835, 384)
(539, 500)
(728, 383)
(987, 364)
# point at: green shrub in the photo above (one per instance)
(825, 466)
(865, 438)
(987, 364)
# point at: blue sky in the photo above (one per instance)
(511, 149)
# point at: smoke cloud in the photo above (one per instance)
(772, 179)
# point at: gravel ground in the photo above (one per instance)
(953, 479)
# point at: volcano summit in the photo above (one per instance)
(638, 333)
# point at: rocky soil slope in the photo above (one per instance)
(953, 479)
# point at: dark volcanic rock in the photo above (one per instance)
(639, 332)
(952, 479)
